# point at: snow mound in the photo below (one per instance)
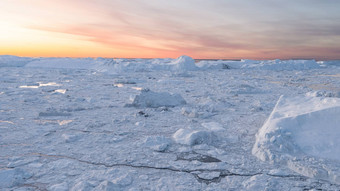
(183, 64)
(303, 133)
(282, 65)
(152, 99)
(14, 61)
(207, 134)
(62, 63)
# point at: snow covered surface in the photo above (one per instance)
(68, 124)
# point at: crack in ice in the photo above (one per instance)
(223, 173)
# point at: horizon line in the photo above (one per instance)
(229, 59)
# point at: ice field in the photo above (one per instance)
(169, 124)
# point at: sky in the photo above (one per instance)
(220, 29)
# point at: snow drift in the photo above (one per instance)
(303, 133)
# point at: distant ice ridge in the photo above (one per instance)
(283, 65)
(14, 61)
(180, 65)
(62, 63)
(261, 65)
(303, 133)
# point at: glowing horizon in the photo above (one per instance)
(157, 29)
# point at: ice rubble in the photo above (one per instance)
(148, 98)
(303, 133)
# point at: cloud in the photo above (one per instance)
(199, 27)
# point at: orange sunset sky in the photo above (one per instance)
(231, 29)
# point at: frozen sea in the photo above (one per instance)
(169, 124)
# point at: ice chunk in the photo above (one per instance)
(303, 128)
(193, 137)
(184, 63)
(152, 99)
(159, 143)
(206, 134)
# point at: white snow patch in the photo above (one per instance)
(62, 91)
(39, 84)
(152, 99)
(48, 84)
(30, 86)
(302, 128)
